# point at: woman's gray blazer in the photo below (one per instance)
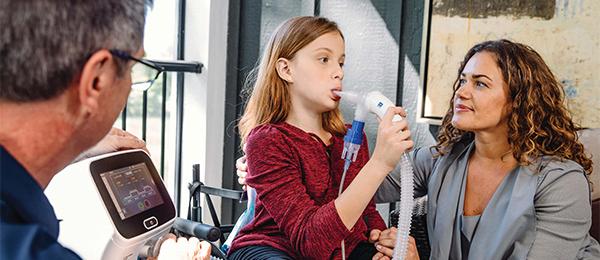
(539, 211)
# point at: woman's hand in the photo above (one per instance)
(393, 139)
(385, 242)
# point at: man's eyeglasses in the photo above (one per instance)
(143, 73)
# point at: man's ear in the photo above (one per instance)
(97, 75)
(283, 70)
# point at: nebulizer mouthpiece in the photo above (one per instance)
(378, 104)
(348, 95)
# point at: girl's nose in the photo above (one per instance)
(338, 73)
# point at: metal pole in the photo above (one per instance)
(124, 118)
(179, 113)
(144, 114)
(163, 119)
(196, 207)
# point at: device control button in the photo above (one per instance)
(150, 222)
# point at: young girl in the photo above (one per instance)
(293, 131)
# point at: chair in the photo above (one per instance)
(197, 188)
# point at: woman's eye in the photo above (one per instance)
(324, 60)
(481, 85)
(341, 64)
(462, 82)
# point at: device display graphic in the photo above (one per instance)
(132, 189)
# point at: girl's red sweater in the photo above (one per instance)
(296, 177)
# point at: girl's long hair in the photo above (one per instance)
(539, 122)
(269, 100)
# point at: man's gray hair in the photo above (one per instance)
(45, 43)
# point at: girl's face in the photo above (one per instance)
(481, 100)
(316, 71)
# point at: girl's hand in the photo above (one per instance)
(242, 170)
(393, 139)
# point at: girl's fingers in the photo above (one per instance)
(242, 181)
(374, 235)
(386, 120)
(240, 164)
(241, 173)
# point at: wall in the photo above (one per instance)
(204, 104)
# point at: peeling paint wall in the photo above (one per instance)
(491, 8)
(568, 40)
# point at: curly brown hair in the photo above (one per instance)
(539, 123)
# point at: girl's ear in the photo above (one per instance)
(283, 69)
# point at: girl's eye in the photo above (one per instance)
(341, 64)
(324, 60)
(481, 85)
(462, 82)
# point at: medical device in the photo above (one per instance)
(136, 200)
(243, 220)
(378, 104)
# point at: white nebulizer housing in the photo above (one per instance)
(373, 102)
(378, 104)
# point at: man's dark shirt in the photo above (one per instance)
(28, 225)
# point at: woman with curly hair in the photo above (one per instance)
(508, 176)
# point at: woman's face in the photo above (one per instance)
(316, 71)
(481, 100)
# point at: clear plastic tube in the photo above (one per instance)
(406, 208)
(346, 166)
(246, 217)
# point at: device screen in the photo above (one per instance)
(132, 189)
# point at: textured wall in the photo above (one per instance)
(383, 42)
(274, 12)
(371, 51)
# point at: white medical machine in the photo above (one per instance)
(136, 205)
